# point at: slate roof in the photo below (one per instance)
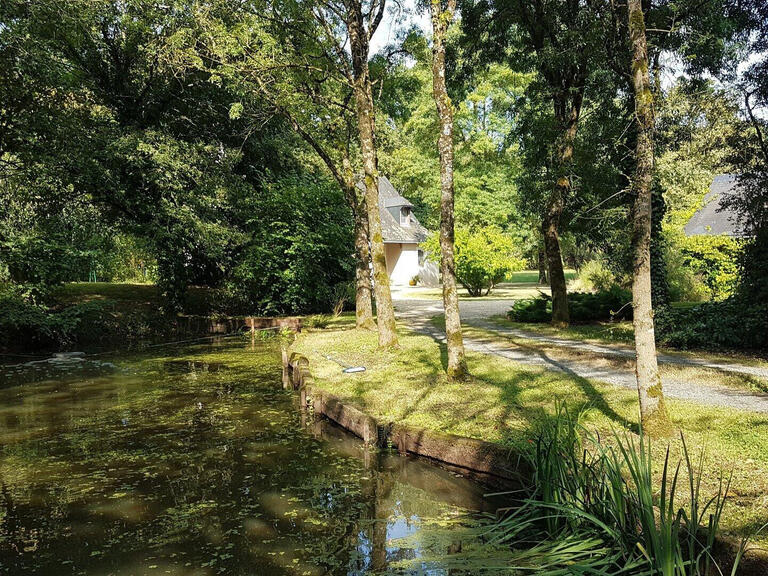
(391, 230)
(713, 218)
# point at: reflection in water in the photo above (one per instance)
(198, 464)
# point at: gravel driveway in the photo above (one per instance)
(417, 313)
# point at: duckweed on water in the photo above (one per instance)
(196, 462)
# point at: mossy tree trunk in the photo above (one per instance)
(441, 19)
(359, 38)
(653, 413)
(363, 302)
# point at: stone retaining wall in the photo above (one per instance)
(194, 325)
(468, 453)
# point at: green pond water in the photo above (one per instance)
(194, 461)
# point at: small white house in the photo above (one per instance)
(402, 233)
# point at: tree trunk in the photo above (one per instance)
(345, 176)
(542, 262)
(363, 304)
(567, 110)
(549, 226)
(358, 37)
(653, 413)
(457, 363)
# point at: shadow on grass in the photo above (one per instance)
(511, 387)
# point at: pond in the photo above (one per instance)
(194, 461)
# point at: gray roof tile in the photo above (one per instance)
(714, 218)
(391, 230)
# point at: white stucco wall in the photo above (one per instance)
(402, 262)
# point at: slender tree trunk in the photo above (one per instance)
(542, 261)
(568, 118)
(358, 37)
(345, 176)
(653, 413)
(457, 363)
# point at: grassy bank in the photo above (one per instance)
(506, 401)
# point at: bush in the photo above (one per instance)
(732, 323)
(594, 276)
(25, 324)
(484, 257)
(318, 321)
(684, 285)
(530, 310)
(714, 259)
(612, 304)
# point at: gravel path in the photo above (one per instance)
(622, 351)
(418, 313)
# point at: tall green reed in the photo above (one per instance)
(601, 493)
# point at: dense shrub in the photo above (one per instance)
(612, 304)
(25, 324)
(683, 284)
(594, 276)
(537, 309)
(484, 257)
(714, 259)
(731, 323)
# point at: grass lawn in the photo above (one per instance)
(532, 276)
(506, 401)
(523, 284)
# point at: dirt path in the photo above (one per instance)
(418, 313)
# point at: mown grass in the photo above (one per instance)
(505, 401)
(532, 276)
(522, 284)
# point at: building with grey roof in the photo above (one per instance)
(714, 218)
(402, 234)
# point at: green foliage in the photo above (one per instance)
(484, 258)
(486, 163)
(715, 260)
(532, 309)
(299, 256)
(696, 125)
(27, 325)
(731, 324)
(605, 495)
(684, 285)
(317, 321)
(612, 304)
(594, 276)
(125, 157)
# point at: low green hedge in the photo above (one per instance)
(731, 323)
(612, 304)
